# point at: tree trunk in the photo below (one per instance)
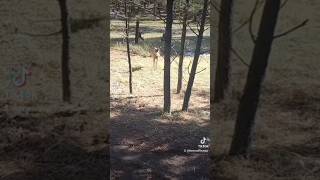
(136, 39)
(154, 11)
(128, 46)
(65, 51)
(212, 65)
(224, 49)
(241, 141)
(167, 58)
(196, 58)
(183, 40)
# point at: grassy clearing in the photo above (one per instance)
(145, 75)
(152, 32)
(137, 120)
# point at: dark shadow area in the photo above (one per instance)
(37, 154)
(81, 24)
(281, 162)
(146, 144)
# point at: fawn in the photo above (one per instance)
(155, 54)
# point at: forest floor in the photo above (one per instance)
(64, 143)
(145, 143)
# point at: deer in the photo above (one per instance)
(155, 54)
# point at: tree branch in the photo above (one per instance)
(239, 57)
(248, 20)
(188, 24)
(201, 70)
(292, 29)
(253, 38)
(284, 3)
(41, 35)
(215, 6)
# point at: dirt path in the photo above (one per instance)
(145, 144)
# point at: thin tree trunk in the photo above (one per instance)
(224, 49)
(212, 65)
(65, 51)
(154, 11)
(128, 46)
(183, 40)
(196, 58)
(136, 39)
(107, 71)
(167, 58)
(241, 141)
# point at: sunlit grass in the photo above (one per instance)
(141, 55)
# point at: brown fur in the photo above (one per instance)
(155, 54)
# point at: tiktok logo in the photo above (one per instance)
(204, 140)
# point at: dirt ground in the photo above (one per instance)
(145, 144)
(69, 144)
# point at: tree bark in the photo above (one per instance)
(66, 92)
(154, 11)
(196, 58)
(167, 56)
(224, 49)
(136, 39)
(183, 40)
(128, 46)
(242, 138)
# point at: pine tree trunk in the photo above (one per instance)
(241, 141)
(196, 58)
(183, 40)
(136, 39)
(224, 47)
(167, 57)
(65, 51)
(128, 47)
(154, 11)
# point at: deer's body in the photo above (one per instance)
(155, 54)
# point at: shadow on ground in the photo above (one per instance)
(35, 155)
(147, 144)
